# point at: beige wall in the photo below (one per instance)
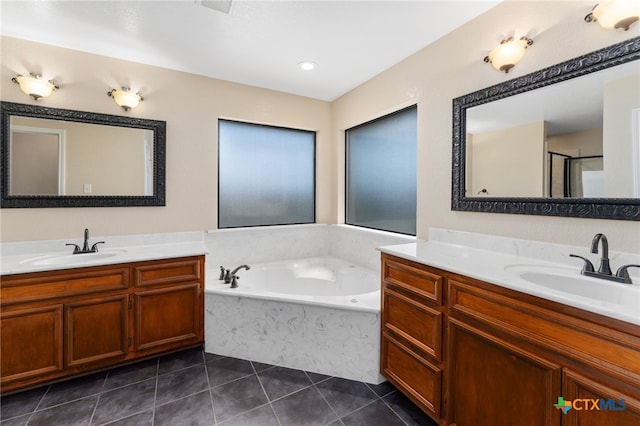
(431, 78)
(452, 67)
(111, 159)
(189, 104)
(620, 97)
(507, 162)
(583, 143)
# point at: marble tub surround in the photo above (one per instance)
(307, 332)
(238, 246)
(233, 247)
(359, 245)
(496, 260)
(335, 342)
(15, 257)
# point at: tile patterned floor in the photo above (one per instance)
(196, 388)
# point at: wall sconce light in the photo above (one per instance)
(615, 14)
(506, 55)
(125, 98)
(34, 86)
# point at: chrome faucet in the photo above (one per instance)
(233, 279)
(85, 246)
(604, 271)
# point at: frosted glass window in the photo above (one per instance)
(266, 175)
(381, 173)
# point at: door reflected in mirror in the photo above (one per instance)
(53, 157)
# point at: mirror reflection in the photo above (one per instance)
(54, 157)
(66, 158)
(575, 139)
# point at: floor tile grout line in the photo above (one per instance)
(58, 405)
(36, 407)
(206, 373)
(155, 394)
(360, 408)
(289, 394)
(392, 410)
(248, 411)
(95, 407)
(265, 393)
(325, 400)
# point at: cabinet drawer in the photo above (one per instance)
(412, 278)
(414, 322)
(412, 373)
(168, 271)
(50, 285)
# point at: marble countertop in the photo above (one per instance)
(503, 269)
(19, 258)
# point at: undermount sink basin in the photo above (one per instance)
(72, 259)
(570, 282)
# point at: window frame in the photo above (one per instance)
(346, 168)
(315, 195)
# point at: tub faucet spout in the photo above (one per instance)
(247, 267)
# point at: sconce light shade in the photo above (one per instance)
(506, 55)
(34, 86)
(125, 98)
(615, 14)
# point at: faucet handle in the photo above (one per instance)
(94, 248)
(624, 274)
(587, 267)
(76, 248)
(227, 276)
(234, 281)
(221, 273)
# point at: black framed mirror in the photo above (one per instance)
(55, 157)
(550, 108)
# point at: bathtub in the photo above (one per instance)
(319, 314)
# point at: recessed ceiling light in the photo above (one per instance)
(307, 65)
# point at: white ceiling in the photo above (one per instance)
(258, 43)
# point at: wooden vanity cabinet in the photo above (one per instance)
(57, 324)
(411, 331)
(169, 307)
(508, 356)
(547, 351)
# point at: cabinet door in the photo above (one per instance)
(168, 317)
(494, 383)
(31, 342)
(96, 330)
(594, 404)
(418, 378)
